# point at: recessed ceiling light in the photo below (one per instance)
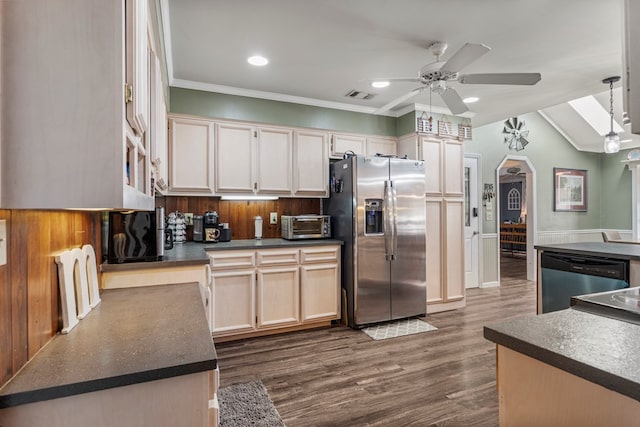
(470, 100)
(258, 60)
(380, 84)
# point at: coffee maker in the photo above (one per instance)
(210, 229)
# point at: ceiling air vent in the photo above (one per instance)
(359, 94)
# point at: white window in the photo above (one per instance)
(513, 200)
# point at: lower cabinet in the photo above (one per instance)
(278, 296)
(283, 289)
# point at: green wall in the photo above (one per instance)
(608, 185)
(609, 181)
(218, 105)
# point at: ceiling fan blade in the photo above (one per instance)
(501, 79)
(524, 142)
(398, 79)
(465, 56)
(398, 100)
(453, 101)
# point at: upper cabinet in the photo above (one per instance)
(191, 154)
(310, 164)
(342, 143)
(234, 156)
(444, 162)
(67, 141)
(383, 146)
(137, 51)
(253, 159)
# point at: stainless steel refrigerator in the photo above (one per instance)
(378, 210)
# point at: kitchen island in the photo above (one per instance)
(144, 356)
(568, 367)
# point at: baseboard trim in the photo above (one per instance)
(490, 285)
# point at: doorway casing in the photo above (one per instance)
(530, 182)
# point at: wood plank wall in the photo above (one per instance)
(240, 214)
(29, 302)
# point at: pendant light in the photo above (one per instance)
(611, 140)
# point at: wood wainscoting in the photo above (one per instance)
(29, 307)
(240, 213)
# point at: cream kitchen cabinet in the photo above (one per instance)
(66, 139)
(444, 160)
(251, 159)
(191, 156)
(384, 146)
(342, 143)
(287, 289)
(310, 164)
(320, 283)
(278, 290)
(137, 48)
(159, 135)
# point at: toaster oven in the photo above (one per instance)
(306, 227)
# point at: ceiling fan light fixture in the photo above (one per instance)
(471, 100)
(258, 60)
(380, 84)
(611, 140)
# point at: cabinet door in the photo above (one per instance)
(190, 156)
(320, 287)
(343, 143)
(432, 155)
(453, 163)
(434, 254)
(385, 146)
(454, 249)
(278, 296)
(234, 158)
(233, 305)
(273, 165)
(310, 164)
(137, 46)
(158, 131)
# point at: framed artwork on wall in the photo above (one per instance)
(569, 190)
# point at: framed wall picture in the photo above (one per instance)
(570, 190)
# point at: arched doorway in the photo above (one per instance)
(516, 194)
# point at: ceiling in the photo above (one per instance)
(320, 50)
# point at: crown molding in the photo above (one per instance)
(273, 96)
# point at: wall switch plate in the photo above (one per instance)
(273, 218)
(3, 242)
(188, 219)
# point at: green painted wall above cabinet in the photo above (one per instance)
(218, 105)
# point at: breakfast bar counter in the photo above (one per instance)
(567, 367)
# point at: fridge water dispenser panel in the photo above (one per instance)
(373, 216)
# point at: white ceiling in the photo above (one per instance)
(320, 50)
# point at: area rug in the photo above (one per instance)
(247, 404)
(398, 328)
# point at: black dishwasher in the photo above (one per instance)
(566, 275)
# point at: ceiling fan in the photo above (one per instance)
(437, 75)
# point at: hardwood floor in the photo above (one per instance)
(340, 377)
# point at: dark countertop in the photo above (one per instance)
(269, 243)
(135, 335)
(194, 253)
(599, 349)
(625, 251)
(182, 254)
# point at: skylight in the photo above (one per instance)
(594, 113)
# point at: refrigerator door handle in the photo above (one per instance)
(387, 220)
(394, 225)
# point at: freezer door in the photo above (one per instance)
(371, 288)
(408, 270)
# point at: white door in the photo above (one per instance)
(471, 223)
